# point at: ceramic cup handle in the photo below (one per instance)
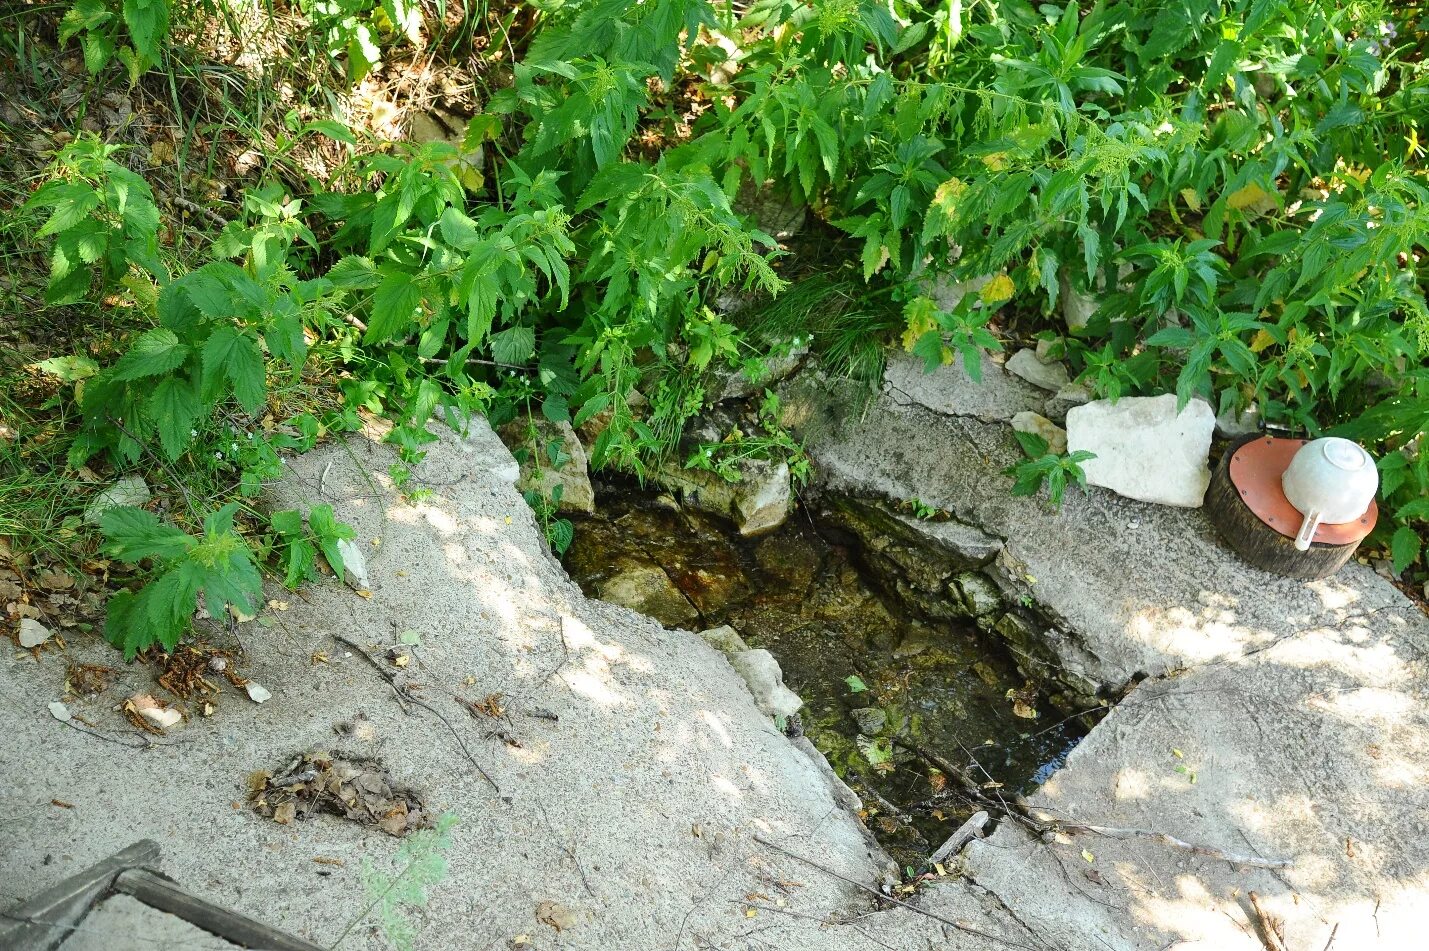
(1307, 530)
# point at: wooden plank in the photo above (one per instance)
(46, 920)
(158, 892)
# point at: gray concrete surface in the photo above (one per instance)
(635, 811)
(1276, 719)
(1279, 719)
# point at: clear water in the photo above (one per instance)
(801, 593)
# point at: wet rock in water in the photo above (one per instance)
(1145, 449)
(916, 558)
(1053, 435)
(647, 589)
(979, 593)
(787, 560)
(539, 473)
(757, 503)
(766, 682)
(1048, 376)
(870, 720)
(130, 490)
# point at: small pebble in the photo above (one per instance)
(218, 664)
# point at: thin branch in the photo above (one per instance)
(960, 925)
(403, 693)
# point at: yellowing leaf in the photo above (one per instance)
(1192, 200)
(997, 161)
(1247, 196)
(997, 290)
(1178, 754)
(1260, 341)
(922, 316)
(1088, 856)
(946, 197)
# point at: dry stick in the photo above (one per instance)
(404, 693)
(961, 926)
(1019, 812)
(1268, 935)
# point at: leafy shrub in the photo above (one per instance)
(101, 217)
(101, 24)
(219, 565)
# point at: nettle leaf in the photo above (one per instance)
(514, 345)
(69, 369)
(173, 408)
(229, 354)
(156, 351)
(1404, 547)
(148, 22)
(354, 273)
(1032, 444)
(132, 534)
(393, 307)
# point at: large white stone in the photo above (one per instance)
(1144, 449)
(766, 682)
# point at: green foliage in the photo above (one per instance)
(102, 25)
(355, 28)
(419, 864)
(219, 565)
(298, 542)
(773, 442)
(1043, 466)
(101, 218)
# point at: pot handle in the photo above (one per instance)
(1307, 530)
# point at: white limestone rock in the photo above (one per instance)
(1047, 376)
(1055, 436)
(766, 682)
(1144, 449)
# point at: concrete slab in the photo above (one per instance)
(1279, 719)
(634, 773)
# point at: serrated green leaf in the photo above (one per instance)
(354, 273)
(1032, 444)
(514, 345)
(155, 351)
(231, 355)
(394, 306)
(132, 534)
(70, 369)
(855, 683)
(173, 408)
(1405, 547)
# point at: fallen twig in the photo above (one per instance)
(1251, 861)
(960, 925)
(1269, 934)
(404, 694)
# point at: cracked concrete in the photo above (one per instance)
(1276, 718)
(1273, 718)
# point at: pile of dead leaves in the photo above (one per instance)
(357, 789)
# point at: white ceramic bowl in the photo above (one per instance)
(1330, 480)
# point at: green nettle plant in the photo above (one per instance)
(1043, 466)
(219, 565)
(1235, 189)
(102, 25)
(101, 219)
